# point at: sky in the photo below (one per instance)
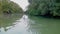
(22, 3)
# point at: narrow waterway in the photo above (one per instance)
(30, 25)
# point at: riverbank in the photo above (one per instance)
(45, 16)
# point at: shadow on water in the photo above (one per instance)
(41, 25)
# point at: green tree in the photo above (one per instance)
(44, 7)
(7, 6)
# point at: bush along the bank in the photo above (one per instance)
(9, 7)
(44, 7)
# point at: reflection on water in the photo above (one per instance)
(29, 25)
(7, 21)
(20, 26)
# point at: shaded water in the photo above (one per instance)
(17, 24)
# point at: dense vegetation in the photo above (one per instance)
(8, 7)
(44, 7)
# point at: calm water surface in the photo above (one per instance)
(24, 24)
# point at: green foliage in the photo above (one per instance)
(7, 6)
(44, 7)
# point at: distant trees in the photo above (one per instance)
(7, 6)
(44, 7)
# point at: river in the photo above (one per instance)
(24, 24)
